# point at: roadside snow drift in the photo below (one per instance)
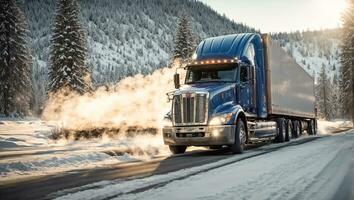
(27, 149)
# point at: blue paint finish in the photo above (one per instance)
(231, 46)
(228, 46)
(222, 96)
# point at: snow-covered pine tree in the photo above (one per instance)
(15, 61)
(68, 68)
(347, 61)
(184, 40)
(334, 101)
(323, 92)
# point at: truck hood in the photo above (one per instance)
(220, 94)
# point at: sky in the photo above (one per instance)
(282, 15)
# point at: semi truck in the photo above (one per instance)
(239, 89)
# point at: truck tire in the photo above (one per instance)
(311, 129)
(289, 130)
(281, 126)
(177, 149)
(296, 129)
(240, 138)
(300, 127)
(215, 147)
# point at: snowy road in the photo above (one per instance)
(307, 168)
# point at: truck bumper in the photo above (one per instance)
(199, 135)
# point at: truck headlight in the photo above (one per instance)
(167, 122)
(220, 119)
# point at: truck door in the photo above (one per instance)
(247, 82)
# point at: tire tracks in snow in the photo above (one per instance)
(208, 167)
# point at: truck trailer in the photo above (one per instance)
(239, 89)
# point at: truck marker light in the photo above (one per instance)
(207, 62)
(196, 63)
(194, 56)
(225, 61)
(202, 62)
(213, 61)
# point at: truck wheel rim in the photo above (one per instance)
(289, 131)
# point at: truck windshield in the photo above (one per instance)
(211, 73)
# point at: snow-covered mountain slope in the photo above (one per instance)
(313, 49)
(124, 37)
(130, 37)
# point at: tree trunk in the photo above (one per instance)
(352, 82)
(6, 91)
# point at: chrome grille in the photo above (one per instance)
(190, 109)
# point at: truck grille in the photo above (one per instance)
(190, 109)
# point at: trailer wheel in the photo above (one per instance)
(289, 130)
(177, 149)
(296, 129)
(281, 126)
(311, 129)
(240, 138)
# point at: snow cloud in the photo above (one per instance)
(138, 101)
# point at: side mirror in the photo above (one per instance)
(245, 59)
(176, 81)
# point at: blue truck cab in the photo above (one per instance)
(232, 95)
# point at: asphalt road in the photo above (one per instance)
(40, 187)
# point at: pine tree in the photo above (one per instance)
(15, 61)
(347, 61)
(68, 52)
(323, 93)
(334, 101)
(184, 42)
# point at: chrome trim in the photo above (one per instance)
(226, 135)
(193, 94)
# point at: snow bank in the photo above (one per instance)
(330, 127)
(26, 132)
(27, 149)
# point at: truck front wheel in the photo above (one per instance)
(240, 138)
(177, 149)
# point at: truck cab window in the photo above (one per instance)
(211, 73)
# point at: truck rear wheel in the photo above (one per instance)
(281, 126)
(296, 129)
(177, 149)
(311, 129)
(240, 138)
(289, 130)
